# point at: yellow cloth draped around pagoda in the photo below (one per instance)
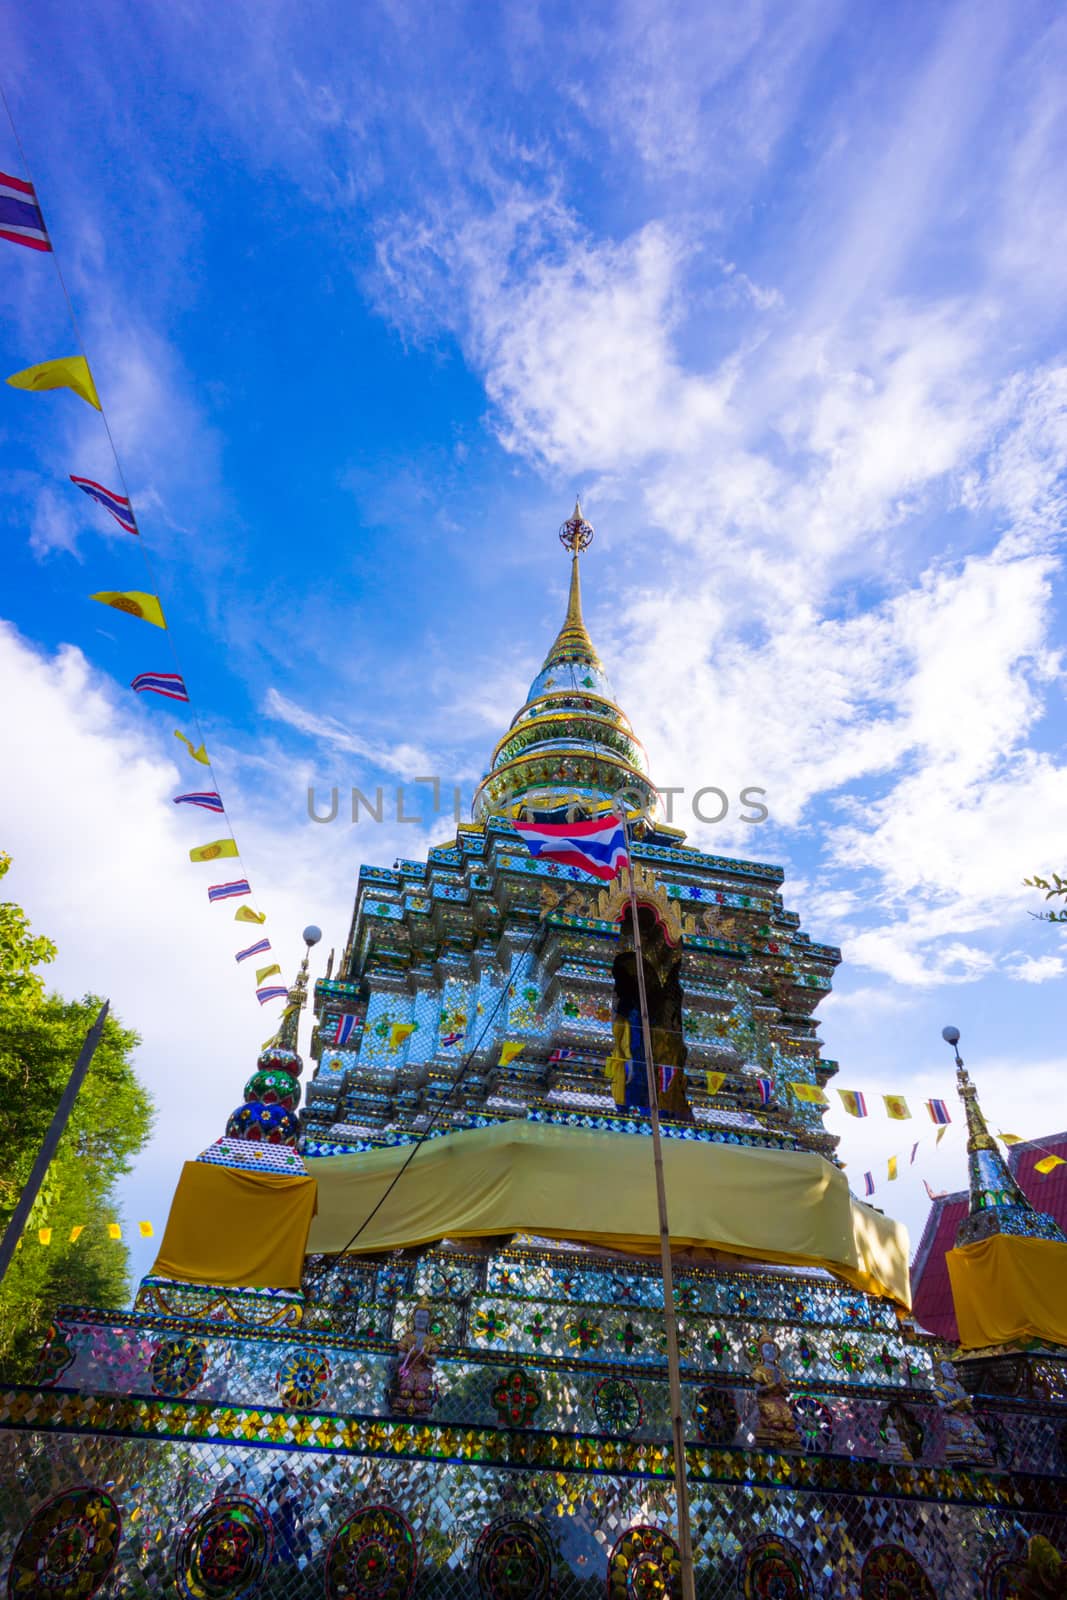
(783, 1206)
(244, 1230)
(1007, 1288)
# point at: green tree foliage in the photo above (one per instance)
(40, 1036)
(1057, 889)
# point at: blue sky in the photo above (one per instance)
(369, 292)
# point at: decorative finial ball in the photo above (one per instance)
(950, 1035)
(576, 533)
(312, 935)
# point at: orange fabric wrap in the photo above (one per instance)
(1006, 1288)
(243, 1230)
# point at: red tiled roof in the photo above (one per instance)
(930, 1287)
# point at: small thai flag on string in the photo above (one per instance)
(562, 1055)
(253, 950)
(346, 1027)
(116, 504)
(206, 798)
(766, 1090)
(868, 1183)
(273, 992)
(449, 1040)
(597, 846)
(21, 221)
(168, 684)
(229, 891)
(938, 1112)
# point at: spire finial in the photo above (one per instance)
(576, 534)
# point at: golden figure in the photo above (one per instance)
(776, 1428)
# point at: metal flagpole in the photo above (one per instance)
(13, 1232)
(674, 1378)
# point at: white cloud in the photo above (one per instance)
(1035, 969)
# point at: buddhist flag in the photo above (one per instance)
(264, 973)
(1048, 1164)
(938, 1112)
(810, 1094)
(114, 1231)
(853, 1102)
(1011, 1138)
(509, 1050)
(713, 1081)
(76, 1232)
(146, 1230)
(896, 1107)
(70, 372)
(45, 1235)
(246, 914)
(868, 1183)
(135, 603)
(892, 1168)
(212, 851)
(399, 1032)
(198, 754)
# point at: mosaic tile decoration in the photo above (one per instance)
(68, 1547)
(224, 1551)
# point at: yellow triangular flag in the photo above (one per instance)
(45, 1235)
(713, 1081)
(940, 1134)
(1048, 1163)
(896, 1107)
(76, 1232)
(509, 1050)
(199, 754)
(212, 851)
(892, 1168)
(146, 1230)
(1011, 1138)
(399, 1032)
(246, 914)
(134, 602)
(69, 372)
(266, 972)
(114, 1231)
(810, 1093)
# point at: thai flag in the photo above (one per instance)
(229, 891)
(20, 216)
(168, 684)
(274, 992)
(116, 504)
(597, 847)
(450, 1039)
(868, 1183)
(766, 1090)
(563, 1055)
(205, 798)
(253, 950)
(938, 1112)
(346, 1027)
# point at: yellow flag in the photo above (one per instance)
(76, 1232)
(892, 1168)
(146, 1230)
(509, 1050)
(266, 972)
(246, 914)
(1048, 1164)
(810, 1093)
(714, 1081)
(45, 1235)
(940, 1134)
(1011, 1138)
(199, 754)
(399, 1032)
(114, 1231)
(896, 1107)
(69, 372)
(212, 851)
(135, 603)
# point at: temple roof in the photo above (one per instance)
(569, 744)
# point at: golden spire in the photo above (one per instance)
(573, 642)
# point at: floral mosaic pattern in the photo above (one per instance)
(892, 1573)
(644, 1565)
(55, 1358)
(516, 1398)
(373, 1557)
(224, 1551)
(513, 1561)
(715, 1415)
(618, 1407)
(303, 1378)
(774, 1569)
(68, 1547)
(815, 1423)
(178, 1366)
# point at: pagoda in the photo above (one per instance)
(412, 1340)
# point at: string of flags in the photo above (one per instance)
(46, 1234)
(22, 222)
